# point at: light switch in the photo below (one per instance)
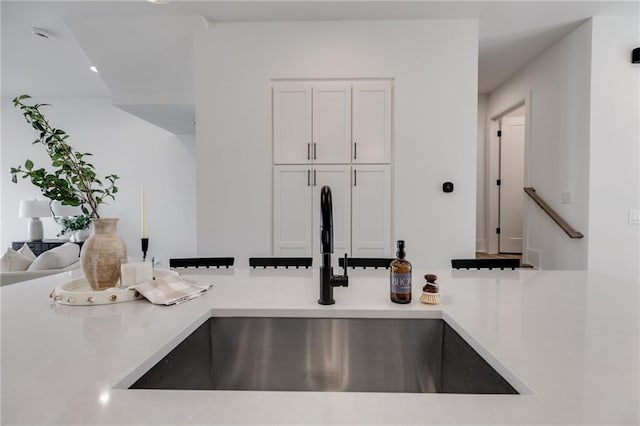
(634, 216)
(566, 197)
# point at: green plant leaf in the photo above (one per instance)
(73, 181)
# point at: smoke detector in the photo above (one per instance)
(39, 32)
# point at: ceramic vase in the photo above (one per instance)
(102, 254)
(80, 236)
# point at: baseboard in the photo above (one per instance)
(481, 245)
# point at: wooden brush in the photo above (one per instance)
(430, 298)
(430, 291)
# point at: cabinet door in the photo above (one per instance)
(331, 123)
(371, 211)
(371, 122)
(338, 178)
(291, 123)
(292, 211)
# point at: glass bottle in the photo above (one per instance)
(400, 281)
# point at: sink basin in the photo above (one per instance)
(325, 354)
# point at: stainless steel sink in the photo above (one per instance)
(325, 354)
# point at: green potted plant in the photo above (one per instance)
(76, 226)
(74, 182)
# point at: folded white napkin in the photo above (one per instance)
(170, 290)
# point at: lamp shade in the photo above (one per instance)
(34, 208)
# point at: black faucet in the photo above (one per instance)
(327, 279)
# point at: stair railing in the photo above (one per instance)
(568, 229)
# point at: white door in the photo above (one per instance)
(331, 123)
(511, 184)
(371, 211)
(371, 123)
(292, 205)
(291, 123)
(338, 178)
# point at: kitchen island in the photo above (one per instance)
(566, 340)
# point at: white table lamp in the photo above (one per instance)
(34, 209)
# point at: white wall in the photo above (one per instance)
(614, 244)
(139, 152)
(481, 177)
(558, 153)
(434, 67)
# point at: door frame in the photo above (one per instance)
(493, 172)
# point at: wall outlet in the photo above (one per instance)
(634, 216)
(566, 197)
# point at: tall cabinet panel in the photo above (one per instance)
(292, 123)
(371, 211)
(292, 211)
(331, 123)
(338, 178)
(371, 122)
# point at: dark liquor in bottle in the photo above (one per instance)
(400, 277)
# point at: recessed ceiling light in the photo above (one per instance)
(39, 32)
(158, 1)
(93, 68)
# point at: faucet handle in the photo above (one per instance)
(341, 280)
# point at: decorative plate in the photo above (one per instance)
(78, 292)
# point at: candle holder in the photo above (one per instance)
(145, 248)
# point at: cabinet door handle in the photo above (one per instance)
(355, 177)
(314, 151)
(308, 177)
(355, 151)
(308, 151)
(314, 178)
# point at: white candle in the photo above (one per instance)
(144, 216)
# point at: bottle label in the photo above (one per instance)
(401, 283)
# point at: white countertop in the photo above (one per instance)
(568, 341)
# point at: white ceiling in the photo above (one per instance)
(144, 51)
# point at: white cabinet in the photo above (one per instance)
(311, 123)
(332, 122)
(371, 211)
(335, 133)
(292, 203)
(361, 198)
(331, 126)
(297, 209)
(371, 122)
(291, 123)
